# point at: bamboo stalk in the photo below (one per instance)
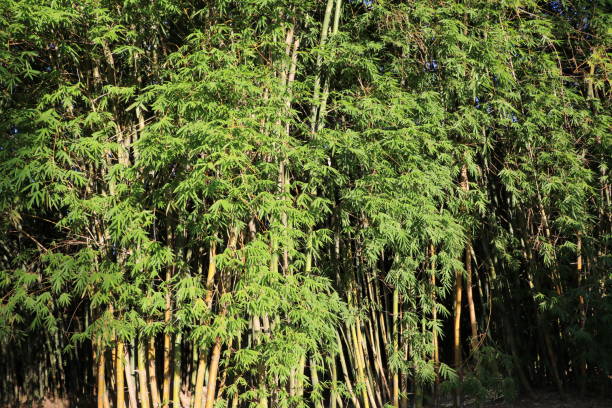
(199, 384)
(345, 373)
(193, 367)
(142, 374)
(129, 376)
(318, 402)
(202, 363)
(300, 375)
(465, 186)
(323, 105)
(120, 373)
(405, 344)
(434, 317)
(333, 387)
(457, 332)
(395, 345)
(212, 373)
(582, 365)
(167, 367)
(176, 382)
(319, 63)
(101, 375)
(360, 361)
(152, 374)
(470, 298)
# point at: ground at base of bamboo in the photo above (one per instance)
(552, 400)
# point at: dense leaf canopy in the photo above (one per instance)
(291, 203)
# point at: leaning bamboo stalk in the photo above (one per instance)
(212, 374)
(373, 335)
(223, 378)
(319, 63)
(333, 388)
(360, 361)
(299, 377)
(284, 184)
(470, 297)
(347, 380)
(318, 402)
(465, 186)
(457, 306)
(202, 363)
(213, 370)
(323, 105)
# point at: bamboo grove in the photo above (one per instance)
(325, 203)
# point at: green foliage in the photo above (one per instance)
(231, 173)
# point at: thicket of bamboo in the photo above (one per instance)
(303, 203)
